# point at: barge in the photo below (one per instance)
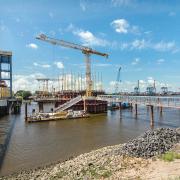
(70, 114)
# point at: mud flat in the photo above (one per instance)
(123, 161)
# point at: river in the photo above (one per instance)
(38, 144)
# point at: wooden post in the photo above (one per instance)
(85, 104)
(136, 110)
(120, 109)
(161, 110)
(147, 109)
(131, 107)
(120, 105)
(26, 111)
(152, 115)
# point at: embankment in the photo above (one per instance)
(137, 159)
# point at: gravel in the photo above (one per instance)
(152, 143)
(112, 162)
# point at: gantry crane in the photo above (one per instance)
(87, 51)
(116, 86)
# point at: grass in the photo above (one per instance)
(170, 156)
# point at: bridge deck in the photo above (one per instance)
(165, 101)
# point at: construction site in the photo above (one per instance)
(75, 91)
(70, 91)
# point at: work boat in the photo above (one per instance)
(70, 114)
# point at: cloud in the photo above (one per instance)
(160, 61)
(59, 65)
(122, 26)
(172, 13)
(51, 15)
(89, 39)
(17, 20)
(122, 3)
(42, 65)
(26, 82)
(52, 33)
(164, 46)
(32, 46)
(3, 27)
(136, 61)
(103, 65)
(86, 37)
(139, 44)
(82, 5)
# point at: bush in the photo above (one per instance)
(170, 156)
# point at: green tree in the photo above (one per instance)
(24, 94)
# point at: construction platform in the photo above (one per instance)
(75, 101)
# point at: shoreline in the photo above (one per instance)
(106, 163)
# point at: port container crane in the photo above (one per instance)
(87, 51)
(116, 86)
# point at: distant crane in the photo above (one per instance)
(137, 89)
(116, 86)
(151, 90)
(87, 51)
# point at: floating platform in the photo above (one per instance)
(42, 117)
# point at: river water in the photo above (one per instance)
(38, 144)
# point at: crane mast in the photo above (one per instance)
(85, 50)
(116, 87)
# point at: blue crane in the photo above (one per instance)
(116, 86)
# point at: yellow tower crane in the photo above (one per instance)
(87, 51)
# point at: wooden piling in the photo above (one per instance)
(152, 115)
(161, 111)
(26, 111)
(136, 110)
(131, 106)
(85, 109)
(120, 110)
(120, 106)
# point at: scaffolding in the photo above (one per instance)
(5, 74)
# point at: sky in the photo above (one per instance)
(142, 37)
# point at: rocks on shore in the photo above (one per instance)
(152, 143)
(127, 161)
